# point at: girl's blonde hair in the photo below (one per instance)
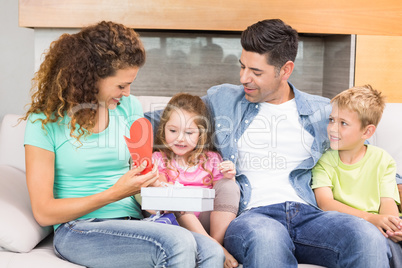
(193, 105)
(365, 100)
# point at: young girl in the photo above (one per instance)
(184, 152)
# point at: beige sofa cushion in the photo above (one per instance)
(19, 232)
(42, 256)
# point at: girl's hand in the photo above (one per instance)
(227, 168)
(131, 183)
(161, 181)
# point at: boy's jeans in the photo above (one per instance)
(134, 243)
(281, 235)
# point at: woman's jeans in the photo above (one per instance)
(281, 235)
(134, 243)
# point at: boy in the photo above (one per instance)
(353, 177)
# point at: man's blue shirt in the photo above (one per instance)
(233, 113)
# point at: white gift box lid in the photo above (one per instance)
(184, 191)
(184, 198)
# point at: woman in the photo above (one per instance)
(77, 162)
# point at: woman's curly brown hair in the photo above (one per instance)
(67, 80)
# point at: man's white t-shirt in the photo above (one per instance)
(272, 146)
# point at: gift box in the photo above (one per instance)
(167, 218)
(184, 198)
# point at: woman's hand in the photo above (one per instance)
(131, 183)
(161, 181)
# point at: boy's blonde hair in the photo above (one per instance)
(365, 100)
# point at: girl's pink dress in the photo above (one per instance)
(192, 176)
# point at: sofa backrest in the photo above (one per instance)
(12, 142)
(153, 103)
(389, 133)
(387, 136)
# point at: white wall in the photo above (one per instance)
(16, 60)
(21, 52)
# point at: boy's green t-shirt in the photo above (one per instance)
(362, 184)
(95, 164)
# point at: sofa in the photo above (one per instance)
(24, 243)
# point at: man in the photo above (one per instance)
(275, 134)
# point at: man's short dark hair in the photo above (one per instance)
(274, 38)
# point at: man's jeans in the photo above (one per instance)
(134, 243)
(281, 235)
(396, 249)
